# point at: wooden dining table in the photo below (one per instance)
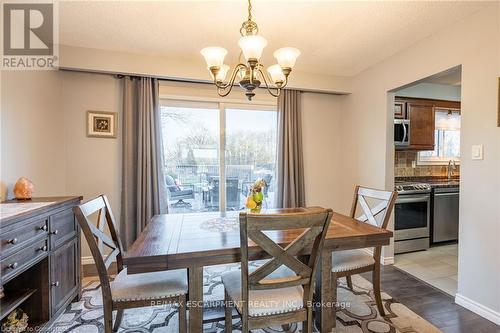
(195, 240)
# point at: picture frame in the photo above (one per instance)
(102, 124)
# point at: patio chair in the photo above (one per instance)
(178, 193)
(232, 192)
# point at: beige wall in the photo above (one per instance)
(321, 123)
(44, 135)
(93, 165)
(474, 44)
(193, 69)
(32, 132)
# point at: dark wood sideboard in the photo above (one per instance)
(40, 258)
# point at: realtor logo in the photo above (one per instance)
(28, 36)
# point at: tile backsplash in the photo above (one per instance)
(403, 168)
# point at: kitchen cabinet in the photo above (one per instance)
(399, 109)
(422, 124)
(420, 113)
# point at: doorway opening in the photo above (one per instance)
(427, 116)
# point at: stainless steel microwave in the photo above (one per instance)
(401, 132)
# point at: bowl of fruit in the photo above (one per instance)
(255, 196)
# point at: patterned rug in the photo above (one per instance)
(357, 313)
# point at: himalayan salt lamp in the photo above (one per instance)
(24, 188)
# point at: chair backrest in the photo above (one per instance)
(373, 203)
(96, 238)
(304, 229)
(171, 184)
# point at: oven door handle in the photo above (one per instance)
(423, 198)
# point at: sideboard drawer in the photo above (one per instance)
(24, 258)
(19, 238)
(63, 227)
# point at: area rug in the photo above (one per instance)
(357, 312)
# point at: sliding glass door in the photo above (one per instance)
(190, 133)
(250, 153)
(195, 133)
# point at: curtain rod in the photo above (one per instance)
(122, 74)
(170, 79)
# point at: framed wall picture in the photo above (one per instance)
(101, 124)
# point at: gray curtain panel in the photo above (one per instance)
(290, 191)
(143, 184)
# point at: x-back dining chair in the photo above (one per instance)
(126, 291)
(376, 207)
(280, 291)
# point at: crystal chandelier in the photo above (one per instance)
(249, 71)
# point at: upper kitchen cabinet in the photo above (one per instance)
(399, 109)
(422, 126)
(415, 124)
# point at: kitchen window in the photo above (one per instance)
(446, 139)
(195, 133)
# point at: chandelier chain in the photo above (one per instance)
(249, 27)
(249, 10)
(250, 69)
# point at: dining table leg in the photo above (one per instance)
(324, 318)
(195, 299)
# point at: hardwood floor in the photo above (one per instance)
(432, 304)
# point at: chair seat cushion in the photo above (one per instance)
(181, 193)
(148, 286)
(265, 302)
(350, 259)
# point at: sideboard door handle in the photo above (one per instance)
(55, 232)
(13, 265)
(13, 241)
(44, 227)
(55, 284)
(43, 248)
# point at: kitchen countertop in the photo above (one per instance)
(434, 182)
(444, 184)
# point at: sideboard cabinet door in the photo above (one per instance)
(64, 274)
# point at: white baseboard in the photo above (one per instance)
(367, 250)
(387, 260)
(89, 260)
(480, 309)
(383, 260)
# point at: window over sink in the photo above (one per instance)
(447, 139)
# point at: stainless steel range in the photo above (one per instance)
(412, 217)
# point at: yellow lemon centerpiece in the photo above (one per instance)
(256, 196)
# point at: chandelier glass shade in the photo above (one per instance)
(251, 71)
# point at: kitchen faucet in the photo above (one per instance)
(451, 169)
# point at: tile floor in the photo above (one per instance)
(438, 266)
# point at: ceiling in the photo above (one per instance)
(451, 77)
(335, 37)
